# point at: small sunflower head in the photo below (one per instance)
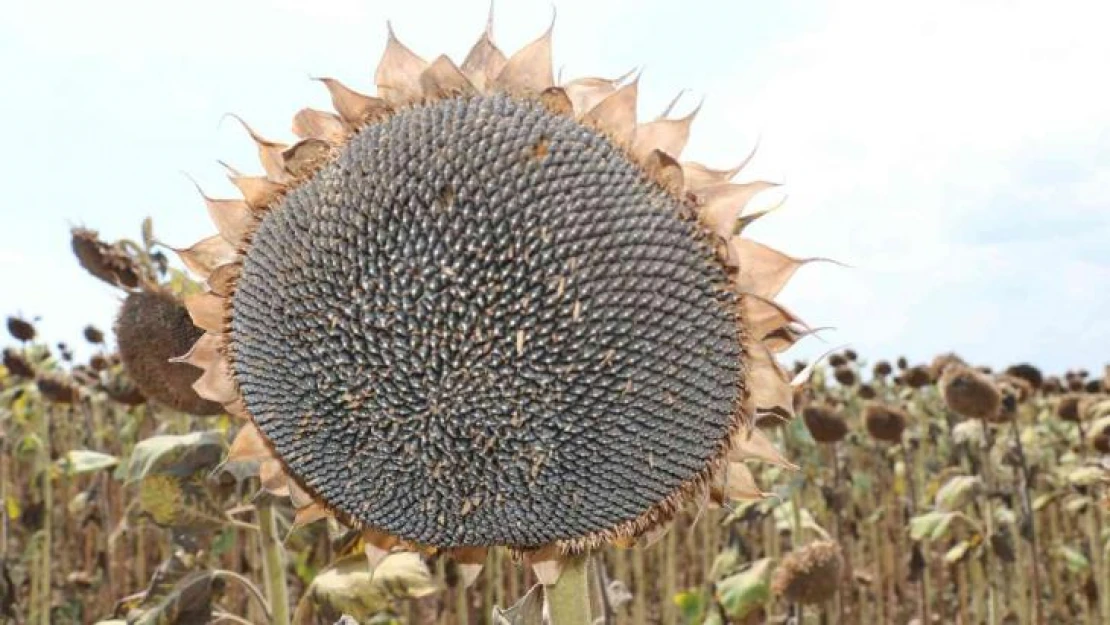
(916, 377)
(1067, 408)
(810, 575)
(94, 335)
(104, 261)
(17, 365)
(884, 423)
(21, 329)
(866, 391)
(824, 424)
(483, 309)
(882, 369)
(153, 328)
(57, 387)
(845, 375)
(969, 393)
(1027, 372)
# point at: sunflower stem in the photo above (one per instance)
(568, 599)
(273, 564)
(45, 586)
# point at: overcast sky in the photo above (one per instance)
(955, 153)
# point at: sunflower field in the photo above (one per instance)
(482, 348)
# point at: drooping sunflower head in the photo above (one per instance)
(482, 309)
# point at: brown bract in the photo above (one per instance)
(606, 106)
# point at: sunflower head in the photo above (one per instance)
(480, 308)
(811, 574)
(21, 329)
(884, 422)
(969, 393)
(152, 328)
(17, 364)
(104, 261)
(824, 424)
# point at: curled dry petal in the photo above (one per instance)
(470, 561)
(770, 388)
(546, 563)
(665, 170)
(232, 218)
(484, 61)
(269, 154)
(258, 191)
(555, 100)
(616, 114)
(222, 279)
(444, 78)
(310, 514)
(310, 123)
(304, 157)
(274, 480)
(764, 316)
(353, 107)
(298, 496)
(764, 271)
(753, 444)
(249, 444)
(722, 204)
(739, 483)
(668, 135)
(586, 93)
(376, 545)
(529, 69)
(207, 254)
(206, 310)
(398, 75)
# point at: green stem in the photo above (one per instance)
(670, 576)
(568, 600)
(273, 564)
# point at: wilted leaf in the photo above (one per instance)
(931, 525)
(177, 454)
(958, 492)
(726, 563)
(746, 591)
(350, 587)
(1088, 476)
(957, 553)
(81, 461)
(527, 611)
(1075, 560)
(13, 508)
(179, 592)
(172, 501)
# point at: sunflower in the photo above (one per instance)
(483, 309)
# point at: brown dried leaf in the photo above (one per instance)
(764, 271)
(665, 170)
(668, 135)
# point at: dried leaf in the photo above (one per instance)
(667, 135)
(484, 61)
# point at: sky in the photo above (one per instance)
(955, 155)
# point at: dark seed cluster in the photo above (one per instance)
(482, 325)
(152, 328)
